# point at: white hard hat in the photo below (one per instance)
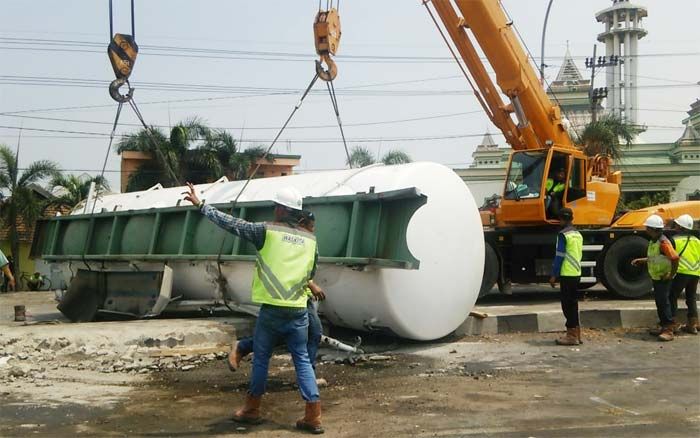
(685, 221)
(288, 197)
(654, 221)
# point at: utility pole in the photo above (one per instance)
(595, 95)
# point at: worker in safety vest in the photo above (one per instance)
(554, 189)
(567, 269)
(688, 249)
(662, 263)
(243, 347)
(285, 261)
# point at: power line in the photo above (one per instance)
(310, 140)
(382, 122)
(199, 52)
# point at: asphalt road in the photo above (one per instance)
(618, 384)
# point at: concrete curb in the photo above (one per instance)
(519, 319)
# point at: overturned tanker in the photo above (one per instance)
(400, 249)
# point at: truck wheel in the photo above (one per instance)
(618, 274)
(491, 268)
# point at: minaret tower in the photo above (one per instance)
(623, 28)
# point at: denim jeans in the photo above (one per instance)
(291, 325)
(245, 345)
(662, 295)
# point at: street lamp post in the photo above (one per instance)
(544, 31)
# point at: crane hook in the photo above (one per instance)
(327, 38)
(122, 52)
(114, 90)
(326, 74)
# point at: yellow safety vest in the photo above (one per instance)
(688, 248)
(559, 187)
(658, 264)
(571, 266)
(283, 267)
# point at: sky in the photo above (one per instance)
(242, 65)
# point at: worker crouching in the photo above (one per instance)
(688, 248)
(286, 258)
(567, 269)
(662, 264)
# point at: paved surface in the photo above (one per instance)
(618, 384)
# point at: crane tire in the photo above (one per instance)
(491, 268)
(617, 273)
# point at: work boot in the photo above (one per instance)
(312, 418)
(692, 326)
(234, 357)
(578, 334)
(656, 331)
(666, 334)
(250, 412)
(571, 338)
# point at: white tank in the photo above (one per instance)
(445, 235)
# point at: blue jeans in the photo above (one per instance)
(291, 325)
(662, 295)
(245, 345)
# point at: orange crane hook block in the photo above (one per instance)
(327, 39)
(122, 51)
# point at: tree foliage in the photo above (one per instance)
(191, 152)
(361, 156)
(20, 200)
(71, 190)
(606, 136)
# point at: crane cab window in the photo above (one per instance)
(555, 185)
(577, 182)
(525, 175)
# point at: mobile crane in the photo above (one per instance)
(520, 233)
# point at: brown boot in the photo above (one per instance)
(571, 338)
(250, 412)
(234, 357)
(312, 418)
(692, 326)
(656, 331)
(578, 334)
(666, 334)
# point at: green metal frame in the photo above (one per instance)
(360, 229)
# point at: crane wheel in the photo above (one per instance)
(617, 273)
(491, 268)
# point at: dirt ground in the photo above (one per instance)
(619, 383)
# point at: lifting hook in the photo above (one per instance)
(122, 52)
(327, 38)
(326, 74)
(114, 87)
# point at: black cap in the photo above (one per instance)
(566, 214)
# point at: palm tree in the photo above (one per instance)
(193, 152)
(360, 156)
(396, 157)
(604, 137)
(21, 202)
(163, 168)
(71, 189)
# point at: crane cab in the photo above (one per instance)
(541, 181)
